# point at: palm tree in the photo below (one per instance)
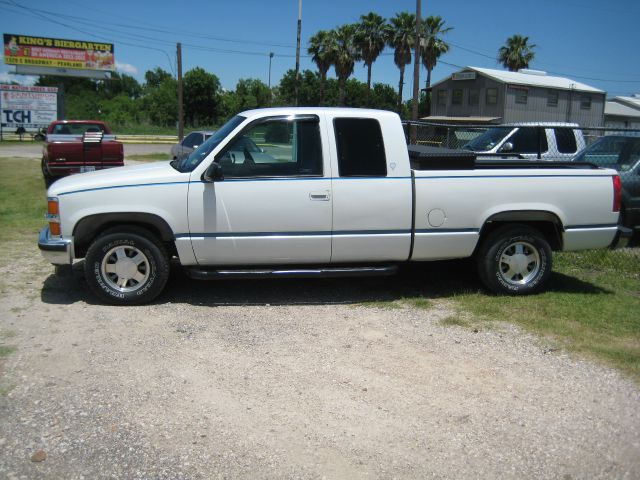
(370, 39)
(345, 54)
(401, 37)
(321, 48)
(516, 53)
(432, 48)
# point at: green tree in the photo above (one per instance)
(517, 53)
(160, 100)
(249, 93)
(345, 54)
(384, 97)
(202, 97)
(370, 40)
(119, 84)
(434, 46)
(400, 34)
(321, 48)
(308, 89)
(154, 78)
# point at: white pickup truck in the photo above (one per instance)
(303, 192)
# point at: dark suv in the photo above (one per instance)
(621, 153)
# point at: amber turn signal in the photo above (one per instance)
(52, 207)
(54, 228)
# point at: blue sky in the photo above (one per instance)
(591, 41)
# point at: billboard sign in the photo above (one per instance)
(27, 107)
(24, 50)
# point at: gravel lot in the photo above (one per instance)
(292, 379)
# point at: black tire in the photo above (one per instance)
(514, 260)
(48, 179)
(126, 266)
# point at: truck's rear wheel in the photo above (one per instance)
(514, 260)
(127, 267)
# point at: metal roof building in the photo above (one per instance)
(484, 95)
(622, 112)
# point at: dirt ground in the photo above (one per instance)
(292, 379)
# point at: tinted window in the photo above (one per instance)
(76, 128)
(360, 147)
(529, 140)
(488, 139)
(617, 152)
(552, 98)
(566, 140)
(192, 139)
(276, 147)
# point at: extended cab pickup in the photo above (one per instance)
(76, 146)
(302, 192)
(531, 140)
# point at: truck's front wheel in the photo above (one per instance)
(514, 260)
(126, 267)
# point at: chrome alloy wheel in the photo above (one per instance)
(125, 268)
(519, 263)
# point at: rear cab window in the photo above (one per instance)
(566, 140)
(529, 140)
(360, 146)
(76, 128)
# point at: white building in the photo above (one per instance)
(622, 112)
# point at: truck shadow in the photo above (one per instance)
(431, 280)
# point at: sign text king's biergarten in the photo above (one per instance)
(56, 52)
(60, 43)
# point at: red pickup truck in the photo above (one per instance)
(76, 146)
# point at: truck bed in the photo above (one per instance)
(424, 157)
(455, 193)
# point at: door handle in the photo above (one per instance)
(319, 196)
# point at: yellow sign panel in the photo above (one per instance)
(57, 53)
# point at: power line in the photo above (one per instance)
(94, 24)
(91, 34)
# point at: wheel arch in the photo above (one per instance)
(88, 228)
(547, 223)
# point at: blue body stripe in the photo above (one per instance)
(307, 179)
(122, 186)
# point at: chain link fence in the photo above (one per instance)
(614, 148)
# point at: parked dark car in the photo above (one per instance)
(189, 144)
(621, 153)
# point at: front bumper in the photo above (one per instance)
(58, 251)
(623, 235)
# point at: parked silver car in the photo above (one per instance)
(189, 144)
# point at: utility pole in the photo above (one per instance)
(416, 75)
(297, 82)
(270, 57)
(180, 109)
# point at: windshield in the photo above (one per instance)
(189, 163)
(618, 152)
(487, 140)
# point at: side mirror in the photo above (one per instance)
(213, 173)
(507, 147)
